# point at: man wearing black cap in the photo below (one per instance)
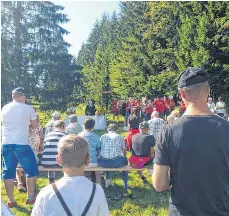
(193, 154)
(17, 117)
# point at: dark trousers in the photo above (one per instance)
(115, 163)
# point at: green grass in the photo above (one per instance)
(144, 202)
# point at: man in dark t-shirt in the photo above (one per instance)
(193, 154)
(142, 148)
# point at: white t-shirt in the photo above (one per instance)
(220, 104)
(16, 118)
(76, 192)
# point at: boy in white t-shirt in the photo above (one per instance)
(80, 195)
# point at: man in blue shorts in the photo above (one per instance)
(17, 117)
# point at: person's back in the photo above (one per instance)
(134, 122)
(142, 144)
(93, 144)
(192, 154)
(16, 118)
(76, 192)
(50, 146)
(111, 145)
(200, 165)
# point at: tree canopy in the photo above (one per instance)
(144, 49)
(35, 55)
(140, 51)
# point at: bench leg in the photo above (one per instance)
(93, 176)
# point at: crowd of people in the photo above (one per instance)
(163, 105)
(189, 150)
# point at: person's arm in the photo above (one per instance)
(98, 146)
(123, 146)
(129, 127)
(160, 177)
(152, 146)
(33, 118)
(152, 152)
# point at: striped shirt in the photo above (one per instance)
(50, 147)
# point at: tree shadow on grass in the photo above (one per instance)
(139, 198)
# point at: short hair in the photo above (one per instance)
(155, 113)
(196, 87)
(73, 118)
(16, 95)
(59, 124)
(73, 151)
(89, 123)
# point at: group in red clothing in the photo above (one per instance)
(163, 105)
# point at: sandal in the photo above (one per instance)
(21, 188)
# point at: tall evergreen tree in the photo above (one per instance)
(34, 54)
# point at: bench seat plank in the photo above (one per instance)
(94, 169)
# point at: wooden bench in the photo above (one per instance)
(92, 170)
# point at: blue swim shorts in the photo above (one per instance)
(12, 154)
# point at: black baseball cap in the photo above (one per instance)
(19, 90)
(191, 76)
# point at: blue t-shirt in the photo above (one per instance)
(94, 144)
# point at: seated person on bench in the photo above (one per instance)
(80, 195)
(113, 153)
(94, 144)
(142, 149)
(50, 148)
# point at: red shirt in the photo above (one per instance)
(170, 103)
(159, 105)
(148, 109)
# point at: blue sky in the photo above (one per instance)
(82, 15)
